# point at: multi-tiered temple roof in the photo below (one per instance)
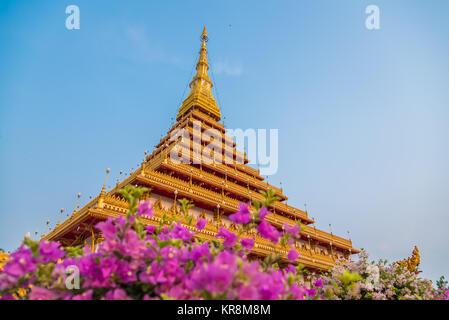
(215, 188)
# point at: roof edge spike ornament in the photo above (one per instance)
(103, 190)
(60, 214)
(78, 196)
(200, 95)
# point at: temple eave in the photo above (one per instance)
(202, 198)
(262, 247)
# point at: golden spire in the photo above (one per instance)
(200, 95)
(103, 190)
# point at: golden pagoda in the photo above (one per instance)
(215, 188)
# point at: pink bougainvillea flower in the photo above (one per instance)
(299, 292)
(248, 293)
(230, 239)
(145, 209)
(242, 216)
(201, 223)
(84, 296)
(263, 213)
(20, 263)
(247, 243)
(215, 277)
(38, 293)
(311, 292)
(291, 268)
(50, 251)
(116, 294)
(318, 283)
(107, 228)
(200, 252)
(150, 229)
(293, 230)
(292, 255)
(181, 232)
(269, 232)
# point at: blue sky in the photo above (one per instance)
(362, 115)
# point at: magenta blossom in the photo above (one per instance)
(150, 229)
(293, 230)
(269, 232)
(107, 228)
(181, 232)
(292, 255)
(230, 239)
(247, 243)
(243, 216)
(50, 251)
(38, 293)
(84, 296)
(311, 292)
(215, 277)
(290, 268)
(20, 263)
(145, 209)
(318, 283)
(263, 213)
(116, 294)
(200, 252)
(201, 223)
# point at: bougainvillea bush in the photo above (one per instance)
(157, 262)
(167, 261)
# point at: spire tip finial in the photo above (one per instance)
(204, 34)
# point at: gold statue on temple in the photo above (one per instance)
(4, 256)
(411, 263)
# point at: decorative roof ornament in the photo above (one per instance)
(78, 196)
(412, 262)
(46, 226)
(103, 190)
(60, 214)
(4, 256)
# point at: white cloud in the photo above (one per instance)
(141, 48)
(227, 68)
